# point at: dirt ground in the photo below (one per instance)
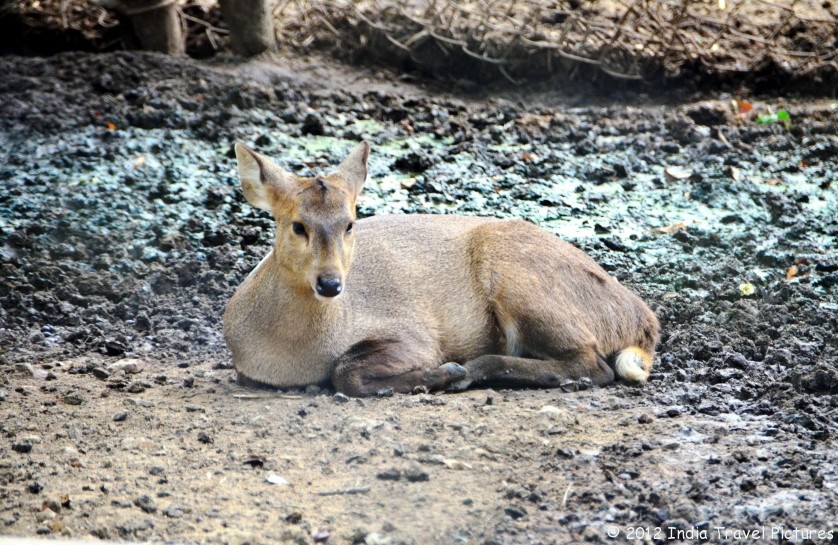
(123, 235)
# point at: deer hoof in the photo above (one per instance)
(454, 370)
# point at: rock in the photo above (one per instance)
(34, 487)
(73, 398)
(515, 511)
(136, 387)
(146, 503)
(173, 511)
(391, 474)
(205, 438)
(101, 373)
(23, 445)
(645, 419)
(320, 536)
(27, 369)
(120, 417)
(129, 366)
(374, 538)
(415, 474)
(313, 125)
(156, 470)
(340, 398)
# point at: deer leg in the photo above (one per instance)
(529, 372)
(374, 365)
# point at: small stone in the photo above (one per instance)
(129, 366)
(340, 398)
(374, 538)
(120, 417)
(313, 389)
(136, 387)
(385, 392)
(43, 530)
(173, 512)
(101, 373)
(156, 470)
(320, 536)
(34, 487)
(416, 474)
(73, 398)
(205, 438)
(645, 419)
(565, 453)
(22, 446)
(294, 518)
(146, 503)
(673, 412)
(391, 474)
(313, 125)
(515, 511)
(45, 515)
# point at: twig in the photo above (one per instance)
(345, 491)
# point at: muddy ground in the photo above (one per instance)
(123, 234)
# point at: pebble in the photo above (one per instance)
(23, 445)
(136, 387)
(205, 438)
(340, 398)
(120, 417)
(129, 366)
(173, 511)
(415, 474)
(101, 373)
(391, 474)
(515, 511)
(73, 398)
(146, 503)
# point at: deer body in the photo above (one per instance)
(430, 302)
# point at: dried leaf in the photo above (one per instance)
(139, 161)
(678, 173)
(669, 229)
(273, 478)
(110, 125)
(455, 464)
(529, 156)
(405, 123)
(792, 272)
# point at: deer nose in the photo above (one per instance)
(329, 286)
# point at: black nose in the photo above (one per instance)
(328, 286)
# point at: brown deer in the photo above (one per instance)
(421, 302)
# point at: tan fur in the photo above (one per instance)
(509, 301)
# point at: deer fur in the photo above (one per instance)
(425, 302)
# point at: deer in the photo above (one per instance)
(421, 302)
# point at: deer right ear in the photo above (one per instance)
(252, 177)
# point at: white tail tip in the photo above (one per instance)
(633, 364)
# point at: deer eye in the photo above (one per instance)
(349, 228)
(299, 228)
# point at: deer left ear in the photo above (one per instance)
(353, 169)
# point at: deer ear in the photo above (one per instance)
(353, 169)
(262, 181)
